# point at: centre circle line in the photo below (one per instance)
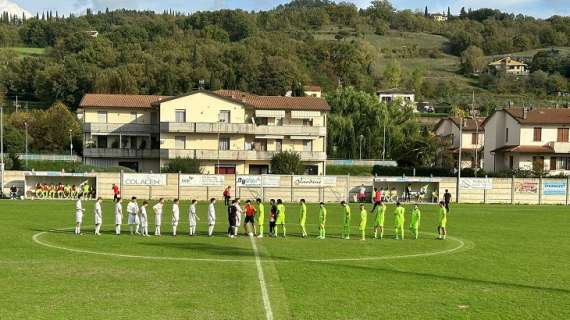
(36, 238)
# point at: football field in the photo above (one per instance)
(499, 262)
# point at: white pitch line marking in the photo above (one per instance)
(262, 284)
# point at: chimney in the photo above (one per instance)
(525, 113)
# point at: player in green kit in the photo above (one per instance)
(363, 218)
(260, 216)
(280, 218)
(303, 218)
(442, 227)
(322, 220)
(380, 212)
(346, 226)
(399, 221)
(415, 225)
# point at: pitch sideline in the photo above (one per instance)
(262, 284)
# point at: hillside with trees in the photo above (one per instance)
(51, 58)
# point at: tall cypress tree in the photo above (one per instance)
(426, 13)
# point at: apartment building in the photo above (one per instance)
(229, 131)
(472, 135)
(528, 139)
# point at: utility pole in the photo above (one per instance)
(384, 139)
(26, 132)
(70, 144)
(360, 145)
(474, 116)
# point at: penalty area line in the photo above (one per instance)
(262, 283)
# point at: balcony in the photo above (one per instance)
(207, 127)
(234, 154)
(121, 153)
(560, 147)
(120, 128)
(240, 128)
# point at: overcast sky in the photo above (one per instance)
(538, 8)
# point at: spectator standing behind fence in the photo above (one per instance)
(362, 193)
(13, 192)
(227, 195)
(116, 192)
(408, 195)
(447, 199)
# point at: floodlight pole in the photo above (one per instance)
(70, 145)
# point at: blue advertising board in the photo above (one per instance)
(554, 188)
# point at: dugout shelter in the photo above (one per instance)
(33, 178)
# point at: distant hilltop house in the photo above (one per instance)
(310, 91)
(439, 17)
(392, 95)
(508, 65)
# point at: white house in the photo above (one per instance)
(528, 139)
(391, 95)
(472, 139)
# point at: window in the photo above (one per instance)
(538, 163)
(180, 142)
(561, 163)
(307, 122)
(260, 145)
(506, 134)
(180, 115)
(307, 145)
(261, 121)
(537, 134)
(225, 169)
(552, 163)
(279, 145)
(511, 162)
(224, 143)
(474, 138)
(102, 116)
(562, 135)
(473, 163)
(133, 142)
(278, 121)
(153, 118)
(133, 117)
(101, 141)
(224, 116)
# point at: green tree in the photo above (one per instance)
(286, 162)
(392, 75)
(182, 165)
(472, 60)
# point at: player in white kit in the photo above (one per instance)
(144, 219)
(238, 217)
(98, 216)
(118, 216)
(211, 217)
(78, 215)
(175, 216)
(158, 216)
(192, 218)
(133, 211)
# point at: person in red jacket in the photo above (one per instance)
(227, 195)
(116, 192)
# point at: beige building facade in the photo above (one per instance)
(525, 139)
(472, 136)
(229, 131)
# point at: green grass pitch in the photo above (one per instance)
(502, 262)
